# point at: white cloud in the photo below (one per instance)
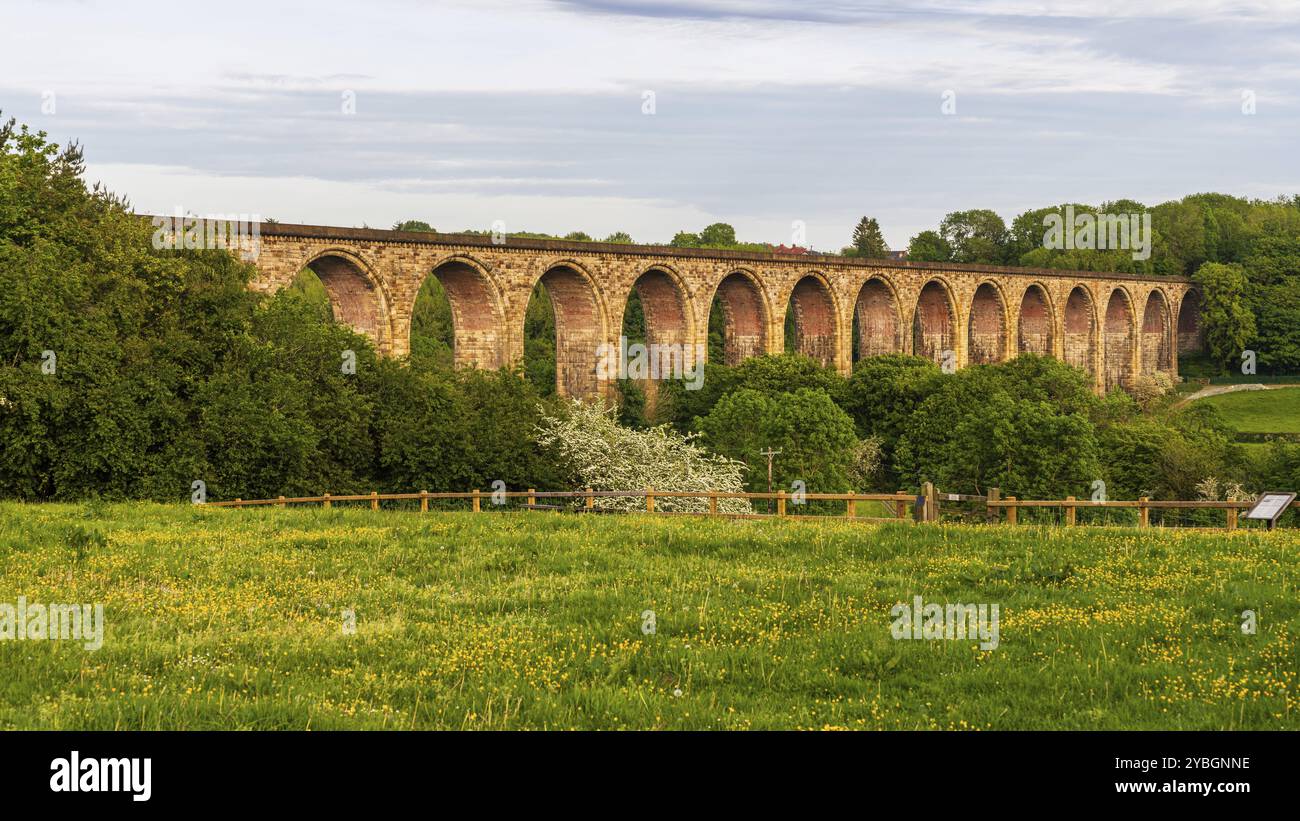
(475, 110)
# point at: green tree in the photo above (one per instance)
(985, 427)
(929, 246)
(539, 341)
(433, 333)
(718, 235)
(413, 225)
(881, 396)
(868, 241)
(978, 235)
(814, 435)
(1227, 321)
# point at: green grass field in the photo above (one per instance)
(1271, 411)
(235, 619)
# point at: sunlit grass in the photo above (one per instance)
(234, 619)
(1268, 411)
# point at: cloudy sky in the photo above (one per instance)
(651, 117)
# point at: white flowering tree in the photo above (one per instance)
(604, 455)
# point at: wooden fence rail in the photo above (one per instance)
(897, 502)
(925, 506)
(1143, 505)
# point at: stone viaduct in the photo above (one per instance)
(1114, 326)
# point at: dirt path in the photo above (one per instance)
(1215, 390)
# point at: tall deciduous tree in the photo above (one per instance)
(978, 235)
(929, 246)
(1228, 323)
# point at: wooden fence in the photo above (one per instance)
(900, 503)
(923, 507)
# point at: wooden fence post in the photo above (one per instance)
(281, 501)
(476, 501)
(713, 502)
(532, 496)
(591, 499)
(649, 500)
(900, 507)
(850, 508)
(1232, 518)
(1013, 513)
(994, 512)
(237, 503)
(931, 503)
(374, 500)
(1144, 512)
(424, 501)
(780, 503)
(325, 501)
(1069, 511)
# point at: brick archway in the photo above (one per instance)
(986, 335)
(1117, 358)
(934, 322)
(1191, 334)
(581, 328)
(357, 296)
(667, 308)
(880, 327)
(746, 316)
(815, 319)
(478, 317)
(1035, 322)
(1080, 330)
(1156, 348)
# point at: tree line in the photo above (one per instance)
(131, 372)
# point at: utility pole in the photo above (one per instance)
(769, 453)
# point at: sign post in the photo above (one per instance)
(1269, 507)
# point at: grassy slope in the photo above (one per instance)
(1273, 411)
(223, 619)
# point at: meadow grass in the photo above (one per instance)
(234, 619)
(1269, 411)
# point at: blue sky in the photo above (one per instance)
(765, 113)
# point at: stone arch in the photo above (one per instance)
(581, 328)
(357, 295)
(934, 322)
(1118, 352)
(1035, 322)
(880, 327)
(1156, 350)
(477, 312)
(666, 304)
(669, 331)
(815, 319)
(1079, 330)
(1191, 334)
(745, 316)
(986, 328)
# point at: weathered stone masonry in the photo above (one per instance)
(1114, 326)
